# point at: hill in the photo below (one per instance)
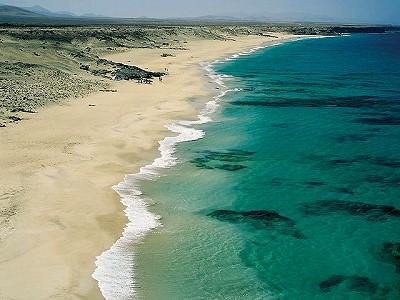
(45, 12)
(13, 11)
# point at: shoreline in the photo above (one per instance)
(155, 273)
(61, 163)
(122, 284)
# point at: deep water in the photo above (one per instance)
(294, 192)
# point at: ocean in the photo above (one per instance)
(288, 187)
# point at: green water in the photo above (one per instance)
(294, 191)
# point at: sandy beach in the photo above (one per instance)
(58, 167)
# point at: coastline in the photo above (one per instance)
(114, 271)
(61, 164)
(170, 259)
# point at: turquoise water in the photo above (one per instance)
(294, 191)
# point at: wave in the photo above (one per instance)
(115, 268)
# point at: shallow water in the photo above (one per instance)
(293, 193)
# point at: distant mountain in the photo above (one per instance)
(13, 11)
(45, 12)
(271, 17)
(39, 11)
(219, 18)
(93, 16)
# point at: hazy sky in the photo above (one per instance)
(372, 11)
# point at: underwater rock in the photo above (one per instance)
(382, 121)
(391, 253)
(353, 283)
(329, 162)
(230, 155)
(331, 282)
(353, 138)
(259, 219)
(385, 162)
(277, 182)
(373, 129)
(231, 168)
(280, 125)
(393, 181)
(346, 162)
(204, 164)
(373, 212)
(344, 102)
(230, 160)
(344, 190)
(314, 183)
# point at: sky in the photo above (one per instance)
(361, 11)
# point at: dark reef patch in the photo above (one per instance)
(353, 138)
(231, 168)
(391, 253)
(379, 161)
(280, 125)
(381, 121)
(259, 219)
(353, 283)
(373, 212)
(392, 181)
(228, 160)
(373, 129)
(314, 183)
(375, 114)
(276, 181)
(331, 282)
(344, 190)
(329, 162)
(385, 162)
(343, 162)
(343, 102)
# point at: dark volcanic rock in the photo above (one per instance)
(84, 67)
(259, 219)
(14, 118)
(128, 72)
(132, 72)
(353, 283)
(373, 212)
(100, 72)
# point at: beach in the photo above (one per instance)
(58, 168)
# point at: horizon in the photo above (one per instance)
(339, 11)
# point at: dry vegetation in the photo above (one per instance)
(41, 65)
(47, 64)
